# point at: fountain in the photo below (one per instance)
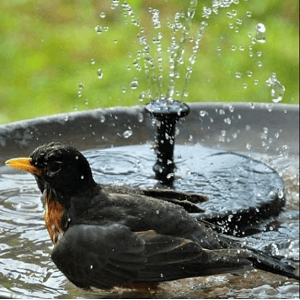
(271, 130)
(166, 115)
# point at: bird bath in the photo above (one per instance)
(117, 143)
(267, 133)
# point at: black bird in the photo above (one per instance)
(104, 239)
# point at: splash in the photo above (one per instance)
(277, 88)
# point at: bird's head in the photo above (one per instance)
(57, 167)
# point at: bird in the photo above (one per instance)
(105, 238)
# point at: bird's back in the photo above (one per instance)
(141, 213)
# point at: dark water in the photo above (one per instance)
(26, 269)
(232, 181)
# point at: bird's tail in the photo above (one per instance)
(265, 262)
(275, 265)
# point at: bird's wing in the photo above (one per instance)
(175, 195)
(105, 256)
(187, 200)
(87, 254)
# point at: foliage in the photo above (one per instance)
(48, 49)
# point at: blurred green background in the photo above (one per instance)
(50, 54)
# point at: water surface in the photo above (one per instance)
(26, 269)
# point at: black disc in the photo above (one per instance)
(242, 192)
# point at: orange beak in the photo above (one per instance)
(23, 163)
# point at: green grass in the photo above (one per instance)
(46, 48)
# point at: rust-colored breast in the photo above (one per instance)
(53, 217)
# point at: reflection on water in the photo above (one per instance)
(26, 269)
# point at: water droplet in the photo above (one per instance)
(169, 162)
(238, 74)
(155, 19)
(207, 11)
(203, 113)
(280, 194)
(185, 94)
(248, 146)
(140, 117)
(81, 86)
(170, 175)
(277, 88)
(249, 73)
(100, 73)
(128, 133)
(239, 21)
(115, 4)
(137, 65)
(99, 29)
(227, 121)
(102, 119)
(260, 33)
(249, 14)
(92, 61)
(142, 96)
(102, 15)
(192, 9)
(135, 23)
(134, 84)
(192, 59)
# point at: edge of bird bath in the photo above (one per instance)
(104, 128)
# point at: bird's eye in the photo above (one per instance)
(54, 167)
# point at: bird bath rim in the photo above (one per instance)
(230, 126)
